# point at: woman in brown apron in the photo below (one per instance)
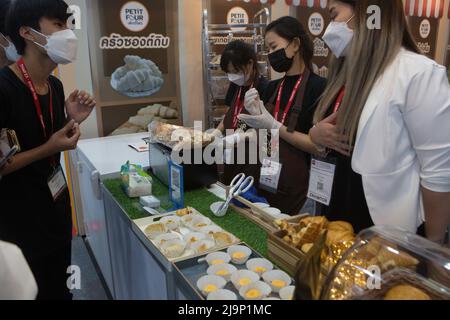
(240, 63)
(287, 107)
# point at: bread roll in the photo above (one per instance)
(406, 292)
(340, 226)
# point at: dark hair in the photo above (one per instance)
(28, 13)
(239, 54)
(4, 7)
(290, 28)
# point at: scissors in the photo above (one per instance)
(239, 185)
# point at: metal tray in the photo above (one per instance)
(189, 271)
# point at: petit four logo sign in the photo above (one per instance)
(316, 24)
(425, 29)
(134, 16)
(237, 15)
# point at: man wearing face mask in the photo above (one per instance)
(8, 52)
(35, 210)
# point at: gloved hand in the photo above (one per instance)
(263, 121)
(239, 137)
(251, 102)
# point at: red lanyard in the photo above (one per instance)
(291, 100)
(238, 107)
(339, 100)
(37, 104)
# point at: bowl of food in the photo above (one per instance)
(210, 230)
(222, 295)
(242, 278)
(173, 248)
(187, 219)
(239, 254)
(202, 246)
(209, 284)
(171, 222)
(287, 293)
(255, 291)
(155, 229)
(224, 270)
(259, 265)
(194, 237)
(217, 258)
(277, 280)
(223, 239)
(200, 222)
(163, 238)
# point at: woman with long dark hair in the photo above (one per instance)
(287, 109)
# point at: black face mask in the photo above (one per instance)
(279, 61)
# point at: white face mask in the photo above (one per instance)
(238, 78)
(338, 37)
(61, 46)
(11, 52)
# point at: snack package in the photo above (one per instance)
(135, 182)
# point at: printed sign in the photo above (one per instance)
(316, 24)
(237, 15)
(134, 16)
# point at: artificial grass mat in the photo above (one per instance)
(200, 199)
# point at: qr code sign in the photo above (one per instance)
(320, 186)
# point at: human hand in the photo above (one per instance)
(326, 134)
(65, 139)
(251, 102)
(79, 105)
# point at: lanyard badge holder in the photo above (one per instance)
(176, 185)
(56, 182)
(321, 180)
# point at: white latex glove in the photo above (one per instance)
(16, 279)
(251, 102)
(263, 121)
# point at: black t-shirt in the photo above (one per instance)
(314, 89)
(29, 217)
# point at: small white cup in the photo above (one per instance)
(222, 295)
(171, 222)
(263, 288)
(259, 265)
(243, 274)
(233, 251)
(225, 267)
(215, 282)
(218, 258)
(287, 293)
(277, 275)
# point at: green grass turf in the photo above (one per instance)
(201, 200)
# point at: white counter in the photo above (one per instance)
(107, 155)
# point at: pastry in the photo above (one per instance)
(309, 234)
(184, 212)
(223, 272)
(174, 250)
(306, 247)
(238, 255)
(244, 282)
(260, 270)
(217, 261)
(210, 288)
(406, 292)
(321, 221)
(222, 239)
(278, 283)
(155, 229)
(340, 226)
(387, 259)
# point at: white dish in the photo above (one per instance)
(218, 258)
(259, 265)
(277, 280)
(210, 284)
(222, 295)
(159, 240)
(173, 248)
(239, 276)
(193, 237)
(287, 293)
(239, 254)
(203, 245)
(171, 222)
(224, 270)
(199, 222)
(260, 287)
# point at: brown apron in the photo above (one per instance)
(240, 164)
(294, 178)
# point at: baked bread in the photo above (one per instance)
(406, 292)
(386, 259)
(340, 226)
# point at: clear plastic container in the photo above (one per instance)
(387, 263)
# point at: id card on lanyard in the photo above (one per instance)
(56, 182)
(321, 179)
(271, 170)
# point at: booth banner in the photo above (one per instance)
(423, 18)
(134, 54)
(235, 12)
(315, 18)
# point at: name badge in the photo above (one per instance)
(57, 183)
(270, 175)
(321, 181)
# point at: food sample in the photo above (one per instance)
(238, 255)
(387, 259)
(217, 261)
(244, 282)
(260, 270)
(253, 294)
(137, 78)
(184, 212)
(306, 247)
(155, 229)
(406, 292)
(278, 283)
(171, 135)
(222, 239)
(223, 272)
(174, 250)
(210, 288)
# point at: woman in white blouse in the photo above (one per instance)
(387, 109)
